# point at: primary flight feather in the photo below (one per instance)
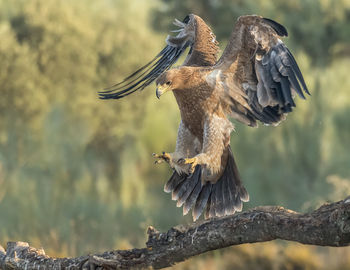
(255, 79)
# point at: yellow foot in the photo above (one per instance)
(192, 161)
(164, 157)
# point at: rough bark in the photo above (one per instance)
(327, 226)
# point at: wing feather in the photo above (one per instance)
(279, 28)
(145, 75)
(176, 46)
(270, 78)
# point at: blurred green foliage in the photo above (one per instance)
(76, 173)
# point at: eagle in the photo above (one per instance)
(255, 80)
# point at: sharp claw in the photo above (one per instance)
(181, 161)
(192, 169)
(191, 161)
(164, 157)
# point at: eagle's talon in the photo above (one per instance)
(181, 161)
(191, 169)
(159, 161)
(193, 162)
(164, 157)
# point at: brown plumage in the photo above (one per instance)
(255, 79)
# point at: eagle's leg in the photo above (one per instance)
(175, 161)
(187, 145)
(170, 158)
(216, 138)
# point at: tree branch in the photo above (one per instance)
(327, 226)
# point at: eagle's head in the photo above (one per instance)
(164, 83)
(173, 79)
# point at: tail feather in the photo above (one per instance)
(202, 201)
(227, 196)
(207, 209)
(238, 205)
(180, 190)
(212, 202)
(219, 204)
(174, 181)
(224, 197)
(244, 195)
(191, 200)
(187, 187)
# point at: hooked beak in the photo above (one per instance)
(161, 89)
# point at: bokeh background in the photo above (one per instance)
(76, 172)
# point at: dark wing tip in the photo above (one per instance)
(186, 19)
(146, 74)
(279, 28)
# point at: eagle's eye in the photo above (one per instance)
(168, 83)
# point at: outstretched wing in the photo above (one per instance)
(145, 75)
(176, 46)
(261, 74)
